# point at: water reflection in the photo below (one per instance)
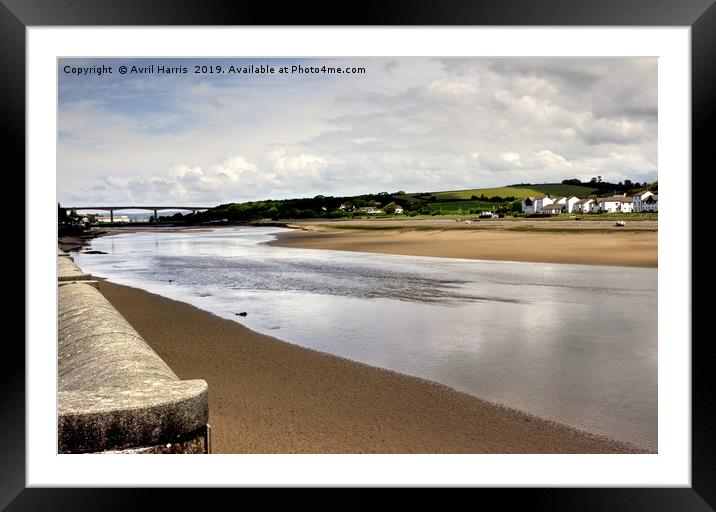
(574, 343)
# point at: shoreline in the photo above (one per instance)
(561, 242)
(269, 396)
(567, 244)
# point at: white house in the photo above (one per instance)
(369, 209)
(570, 202)
(566, 202)
(535, 204)
(553, 208)
(583, 206)
(651, 204)
(543, 201)
(398, 209)
(528, 205)
(615, 204)
(646, 202)
(538, 205)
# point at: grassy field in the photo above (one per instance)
(507, 219)
(461, 207)
(610, 216)
(556, 189)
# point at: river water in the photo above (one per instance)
(572, 343)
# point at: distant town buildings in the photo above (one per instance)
(105, 219)
(641, 202)
(370, 210)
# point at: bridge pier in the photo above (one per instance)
(156, 217)
(111, 216)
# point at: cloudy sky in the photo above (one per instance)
(413, 124)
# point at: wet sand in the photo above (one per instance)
(547, 242)
(268, 396)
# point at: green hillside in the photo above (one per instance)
(461, 207)
(519, 192)
(559, 189)
(501, 200)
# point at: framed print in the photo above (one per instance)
(464, 196)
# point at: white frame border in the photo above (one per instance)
(670, 467)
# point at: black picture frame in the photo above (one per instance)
(17, 15)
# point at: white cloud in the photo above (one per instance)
(234, 168)
(449, 89)
(290, 160)
(408, 123)
(512, 158)
(552, 160)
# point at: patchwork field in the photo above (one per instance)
(519, 192)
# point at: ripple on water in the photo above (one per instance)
(573, 343)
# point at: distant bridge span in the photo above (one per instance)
(155, 209)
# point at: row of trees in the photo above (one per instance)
(65, 217)
(493, 199)
(68, 217)
(316, 207)
(604, 187)
(68, 222)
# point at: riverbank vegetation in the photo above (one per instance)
(503, 201)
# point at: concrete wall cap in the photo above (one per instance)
(68, 271)
(108, 419)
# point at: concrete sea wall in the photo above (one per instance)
(115, 394)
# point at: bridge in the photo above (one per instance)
(155, 209)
